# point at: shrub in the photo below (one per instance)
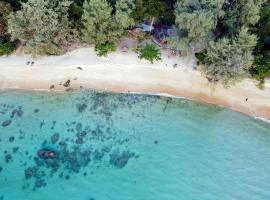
(150, 52)
(201, 57)
(104, 49)
(262, 67)
(6, 47)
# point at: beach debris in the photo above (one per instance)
(175, 65)
(47, 153)
(32, 63)
(28, 63)
(52, 87)
(79, 68)
(67, 83)
(6, 123)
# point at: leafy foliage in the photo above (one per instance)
(6, 47)
(102, 26)
(150, 52)
(5, 9)
(240, 13)
(145, 9)
(194, 22)
(262, 51)
(42, 25)
(228, 60)
(104, 49)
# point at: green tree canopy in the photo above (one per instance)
(5, 9)
(240, 13)
(195, 19)
(43, 25)
(228, 60)
(101, 25)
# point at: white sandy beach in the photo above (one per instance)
(124, 72)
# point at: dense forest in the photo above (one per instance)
(230, 38)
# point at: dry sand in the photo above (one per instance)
(124, 72)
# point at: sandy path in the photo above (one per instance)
(123, 72)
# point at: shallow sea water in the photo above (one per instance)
(129, 147)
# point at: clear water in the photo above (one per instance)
(129, 147)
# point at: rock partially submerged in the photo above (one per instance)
(47, 153)
(120, 159)
(67, 83)
(6, 123)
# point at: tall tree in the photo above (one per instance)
(228, 60)
(195, 19)
(240, 13)
(43, 25)
(101, 25)
(5, 9)
(152, 9)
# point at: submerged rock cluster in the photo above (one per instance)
(78, 147)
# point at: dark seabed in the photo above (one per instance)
(86, 145)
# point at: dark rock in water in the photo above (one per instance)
(61, 175)
(15, 149)
(98, 155)
(67, 177)
(36, 110)
(41, 124)
(11, 139)
(1, 168)
(120, 159)
(19, 113)
(8, 157)
(84, 174)
(47, 153)
(6, 123)
(81, 134)
(81, 107)
(79, 141)
(30, 172)
(67, 83)
(155, 142)
(40, 183)
(2, 198)
(13, 113)
(55, 138)
(91, 198)
(78, 127)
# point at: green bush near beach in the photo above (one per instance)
(150, 52)
(104, 49)
(6, 47)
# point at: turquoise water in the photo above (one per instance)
(128, 147)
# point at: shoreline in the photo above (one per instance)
(124, 72)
